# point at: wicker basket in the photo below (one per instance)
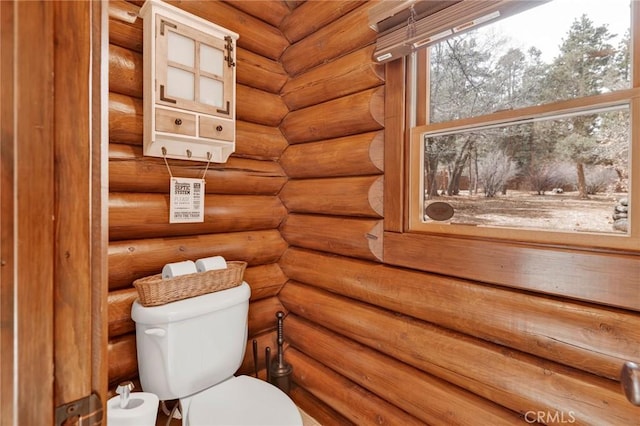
(154, 290)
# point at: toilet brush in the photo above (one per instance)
(280, 370)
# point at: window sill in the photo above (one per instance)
(594, 276)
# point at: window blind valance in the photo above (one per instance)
(405, 26)
(392, 14)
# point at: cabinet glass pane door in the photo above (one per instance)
(211, 60)
(211, 92)
(181, 49)
(211, 71)
(181, 57)
(180, 84)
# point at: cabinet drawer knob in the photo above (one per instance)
(219, 128)
(178, 121)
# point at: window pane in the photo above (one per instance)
(181, 49)
(559, 50)
(563, 173)
(180, 84)
(211, 92)
(211, 60)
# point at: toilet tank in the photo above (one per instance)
(187, 346)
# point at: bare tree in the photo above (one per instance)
(545, 177)
(495, 171)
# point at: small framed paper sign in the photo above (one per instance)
(186, 203)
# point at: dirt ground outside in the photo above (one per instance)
(551, 211)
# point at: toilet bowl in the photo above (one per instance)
(242, 400)
(190, 349)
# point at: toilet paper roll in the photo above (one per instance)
(211, 263)
(141, 410)
(176, 269)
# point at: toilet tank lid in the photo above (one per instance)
(190, 308)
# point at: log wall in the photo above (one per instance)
(441, 349)
(242, 207)
(370, 343)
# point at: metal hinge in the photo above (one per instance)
(229, 48)
(85, 411)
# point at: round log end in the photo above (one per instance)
(375, 240)
(376, 151)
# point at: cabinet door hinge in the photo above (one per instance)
(85, 411)
(228, 46)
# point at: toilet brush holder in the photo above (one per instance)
(279, 370)
(281, 376)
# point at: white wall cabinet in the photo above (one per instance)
(189, 85)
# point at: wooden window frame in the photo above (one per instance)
(609, 276)
(629, 241)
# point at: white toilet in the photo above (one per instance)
(190, 349)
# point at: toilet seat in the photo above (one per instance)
(242, 400)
